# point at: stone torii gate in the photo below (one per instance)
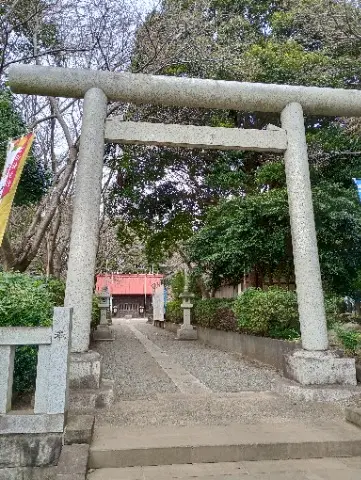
(314, 364)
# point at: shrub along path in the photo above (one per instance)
(147, 367)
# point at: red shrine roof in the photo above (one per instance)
(128, 284)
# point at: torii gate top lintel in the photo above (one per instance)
(187, 92)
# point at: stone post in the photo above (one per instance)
(186, 331)
(85, 230)
(103, 332)
(7, 356)
(314, 364)
(305, 253)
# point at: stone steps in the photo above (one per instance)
(330, 469)
(87, 400)
(124, 447)
(215, 409)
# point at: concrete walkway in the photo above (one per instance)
(320, 469)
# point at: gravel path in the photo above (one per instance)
(220, 371)
(240, 390)
(135, 372)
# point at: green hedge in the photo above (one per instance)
(27, 301)
(215, 313)
(56, 289)
(271, 313)
(174, 312)
(212, 313)
(95, 313)
(24, 301)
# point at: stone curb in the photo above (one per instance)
(27, 473)
(316, 393)
(73, 462)
(353, 415)
(79, 429)
(88, 400)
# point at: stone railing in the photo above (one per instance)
(51, 392)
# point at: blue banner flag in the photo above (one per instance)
(358, 185)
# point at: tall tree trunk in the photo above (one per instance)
(203, 289)
(6, 254)
(51, 244)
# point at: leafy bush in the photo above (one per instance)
(334, 305)
(221, 313)
(174, 312)
(177, 284)
(24, 301)
(25, 364)
(284, 333)
(95, 318)
(350, 340)
(27, 301)
(211, 313)
(56, 289)
(215, 313)
(270, 313)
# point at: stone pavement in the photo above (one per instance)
(319, 469)
(219, 371)
(229, 388)
(162, 383)
(129, 364)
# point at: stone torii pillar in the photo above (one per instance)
(314, 364)
(85, 226)
(304, 241)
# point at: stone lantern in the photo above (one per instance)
(186, 331)
(103, 332)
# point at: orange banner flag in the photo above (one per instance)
(16, 155)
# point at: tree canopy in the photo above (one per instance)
(232, 207)
(82, 34)
(165, 196)
(252, 233)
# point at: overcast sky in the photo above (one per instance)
(147, 4)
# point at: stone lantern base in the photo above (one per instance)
(187, 332)
(320, 368)
(103, 333)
